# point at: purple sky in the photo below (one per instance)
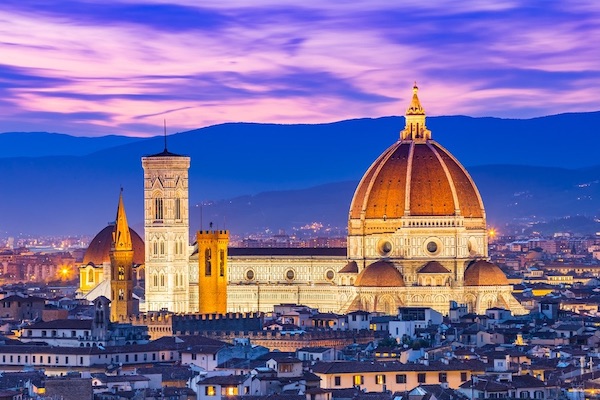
(97, 67)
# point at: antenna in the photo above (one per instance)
(165, 122)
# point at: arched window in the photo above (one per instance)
(155, 248)
(162, 247)
(177, 208)
(158, 208)
(162, 280)
(222, 262)
(121, 276)
(121, 294)
(91, 275)
(155, 279)
(207, 262)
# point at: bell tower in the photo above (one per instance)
(212, 271)
(121, 263)
(166, 231)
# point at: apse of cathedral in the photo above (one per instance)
(416, 237)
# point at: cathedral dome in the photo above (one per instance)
(380, 274)
(416, 177)
(98, 252)
(484, 273)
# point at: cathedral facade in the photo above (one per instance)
(417, 236)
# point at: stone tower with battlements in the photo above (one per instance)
(212, 271)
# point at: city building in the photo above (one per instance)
(417, 237)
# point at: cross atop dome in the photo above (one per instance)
(415, 128)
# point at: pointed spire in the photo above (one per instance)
(415, 128)
(121, 235)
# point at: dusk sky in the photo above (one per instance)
(91, 68)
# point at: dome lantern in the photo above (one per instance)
(415, 128)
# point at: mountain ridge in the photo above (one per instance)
(74, 194)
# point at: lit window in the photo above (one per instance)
(358, 380)
(380, 379)
(210, 391)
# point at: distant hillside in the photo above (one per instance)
(43, 144)
(71, 191)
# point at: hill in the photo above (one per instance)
(72, 191)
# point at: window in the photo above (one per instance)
(121, 273)
(222, 263)
(380, 379)
(121, 294)
(463, 376)
(66, 360)
(158, 208)
(33, 359)
(524, 395)
(401, 378)
(421, 377)
(337, 380)
(210, 391)
(207, 262)
(194, 356)
(91, 276)
(155, 279)
(177, 208)
(73, 334)
(162, 280)
(443, 377)
(229, 391)
(538, 394)
(358, 380)
(81, 360)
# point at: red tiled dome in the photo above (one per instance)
(380, 274)
(484, 273)
(98, 252)
(420, 178)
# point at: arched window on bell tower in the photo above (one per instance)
(207, 262)
(158, 208)
(177, 208)
(222, 263)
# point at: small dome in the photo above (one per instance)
(433, 267)
(380, 274)
(350, 268)
(484, 273)
(98, 252)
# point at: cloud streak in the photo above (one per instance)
(87, 67)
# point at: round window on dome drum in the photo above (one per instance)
(432, 247)
(329, 275)
(290, 275)
(250, 275)
(385, 247)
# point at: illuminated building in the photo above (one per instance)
(121, 262)
(417, 237)
(166, 231)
